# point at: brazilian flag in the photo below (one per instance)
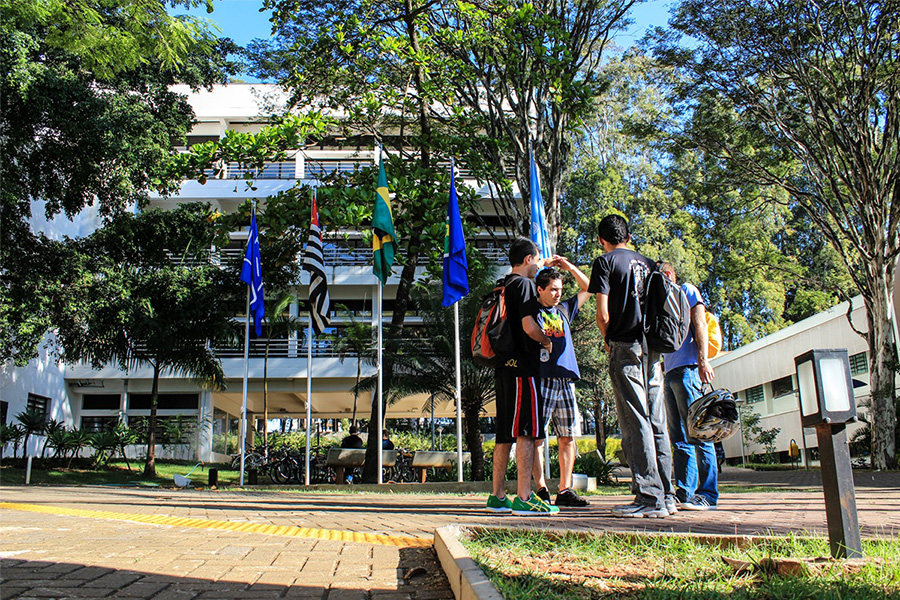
(384, 244)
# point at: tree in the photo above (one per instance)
(424, 363)
(86, 117)
(376, 63)
(57, 438)
(137, 305)
(33, 421)
(52, 428)
(11, 434)
(805, 98)
(754, 432)
(356, 340)
(279, 325)
(529, 71)
(76, 440)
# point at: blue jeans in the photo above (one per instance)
(696, 470)
(637, 382)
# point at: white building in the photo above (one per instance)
(83, 397)
(762, 375)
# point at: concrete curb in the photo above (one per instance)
(467, 580)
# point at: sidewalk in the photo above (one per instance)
(96, 542)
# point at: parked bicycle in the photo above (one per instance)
(402, 471)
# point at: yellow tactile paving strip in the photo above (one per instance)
(284, 530)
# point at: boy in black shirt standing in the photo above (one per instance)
(519, 406)
(618, 278)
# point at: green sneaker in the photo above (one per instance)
(532, 506)
(495, 504)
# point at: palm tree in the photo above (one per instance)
(126, 436)
(425, 364)
(280, 324)
(11, 434)
(76, 439)
(356, 340)
(58, 439)
(105, 444)
(53, 430)
(50, 429)
(136, 307)
(33, 421)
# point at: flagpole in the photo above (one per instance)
(459, 453)
(309, 333)
(244, 400)
(379, 428)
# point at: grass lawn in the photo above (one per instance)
(534, 565)
(118, 473)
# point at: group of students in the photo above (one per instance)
(536, 386)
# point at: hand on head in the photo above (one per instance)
(557, 261)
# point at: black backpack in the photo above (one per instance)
(667, 313)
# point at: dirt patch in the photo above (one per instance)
(598, 579)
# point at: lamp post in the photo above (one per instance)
(827, 403)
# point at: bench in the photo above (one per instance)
(340, 459)
(425, 459)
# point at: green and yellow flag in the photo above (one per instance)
(384, 244)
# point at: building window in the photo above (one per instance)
(782, 387)
(100, 402)
(4, 410)
(226, 433)
(164, 402)
(859, 364)
(755, 394)
(39, 404)
(98, 424)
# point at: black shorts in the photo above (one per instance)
(520, 408)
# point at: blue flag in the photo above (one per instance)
(456, 267)
(251, 274)
(538, 220)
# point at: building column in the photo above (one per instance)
(294, 311)
(299, 165)
(205, 427)
(123, 404)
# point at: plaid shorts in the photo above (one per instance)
(560, 406)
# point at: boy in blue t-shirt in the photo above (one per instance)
(558, 370)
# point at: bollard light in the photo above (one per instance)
(827, 403)
(826, 387)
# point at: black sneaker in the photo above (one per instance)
(543, 494)
(570, 498)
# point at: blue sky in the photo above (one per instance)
(241, 20)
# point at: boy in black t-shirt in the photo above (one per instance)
(519, 406)
(618, 278)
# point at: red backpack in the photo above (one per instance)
(492, 341)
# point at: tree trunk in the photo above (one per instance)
(473, 439)
(401, 302)
(600, 434)
(150, 464)
(882, 371)
(356, 389)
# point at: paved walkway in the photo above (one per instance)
(99, 542)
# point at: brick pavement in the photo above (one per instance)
(67, 555)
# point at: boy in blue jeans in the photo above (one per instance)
(687, 369)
